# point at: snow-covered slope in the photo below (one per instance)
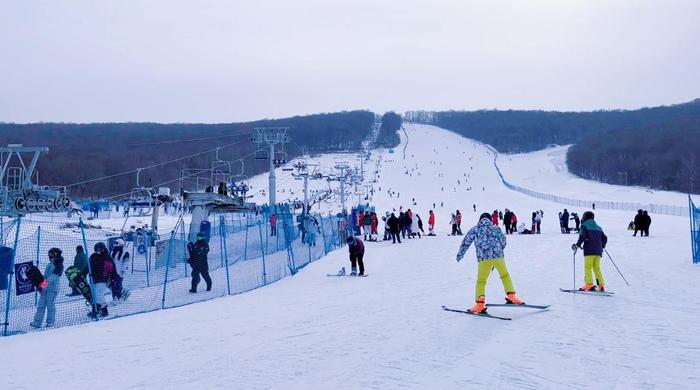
(387, 330)
(546, 171)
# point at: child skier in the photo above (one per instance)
(48, 290)
(594, 240)
(490, 243)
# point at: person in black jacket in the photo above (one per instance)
(357, 252)
(592, 239)
(102, 267)
(199, 262)
(647, 221)
(393, 223)
(639, 223)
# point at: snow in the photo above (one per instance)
(546, 171)
(387, 331)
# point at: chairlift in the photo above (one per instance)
(261, 154)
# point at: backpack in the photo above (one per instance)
(108, 270)
(34, 275)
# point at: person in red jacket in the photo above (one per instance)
(514, 223)
(375, 222)
(431, 223)
(360, 221)
(494, 217)
(458, 222)
(273, 224)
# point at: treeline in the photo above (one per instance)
(515, 131)
(79, 152)
(661, 157)
(388, 133)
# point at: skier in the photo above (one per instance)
(458, 221)
(99, 265)
(48, 290)
(489, 243)
(577, 221)
(494, 218)
(507, 221)
(454, 225)
(514, 223)
(375, 225)
(393, 224)
(198, 260)
(647, 222)
(474, 206)
(80, 261)
(273, 224)
(367, 223)
(387, 230)
(420, 225)
(357, 252)
(565, 222)
(593, 239)
(538, 220)
(431, 223)
(414, 227)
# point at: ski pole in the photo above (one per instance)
(618, 270)
(574, 285)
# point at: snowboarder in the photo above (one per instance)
(489, 242)
(593, 239)
(357, 252)
(198, 261)
(48, 290)
(80, 261)
(101, 273)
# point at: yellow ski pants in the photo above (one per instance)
(592, 263)
(485, 268)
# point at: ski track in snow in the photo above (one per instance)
(388, 330)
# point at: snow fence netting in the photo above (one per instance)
(244, 253)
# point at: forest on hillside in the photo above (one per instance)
(518, 131)
(80, 152)
(662, 157)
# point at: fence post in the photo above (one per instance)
(291, 261)
(225, 255)
(90, 278)
(38, 244)
(263, 253)
(245, 247)
(11, 277)
(323, 234)
(147, 239)
(167, 265)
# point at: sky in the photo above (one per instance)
(226, 61)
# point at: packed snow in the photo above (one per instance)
(388, 330)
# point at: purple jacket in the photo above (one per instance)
(357, 249)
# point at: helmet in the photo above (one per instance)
(350, 240)
(200, 236)
(485, 215)
(54, 253)
(587, 215)
(100, 247)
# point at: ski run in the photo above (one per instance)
(389, 331)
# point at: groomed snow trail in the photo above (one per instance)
(388, 331)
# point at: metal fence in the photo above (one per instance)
(694, 230)
(245, 253)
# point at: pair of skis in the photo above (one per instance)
(583, 292)
(483, 314)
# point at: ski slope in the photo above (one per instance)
(388, 331)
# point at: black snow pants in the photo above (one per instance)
(203, 270)
(356, 260)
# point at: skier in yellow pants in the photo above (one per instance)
(489, 242)
(593, 239)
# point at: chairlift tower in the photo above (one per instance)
(271, 136)
(18, 194)
(343, 167)
(305, 175)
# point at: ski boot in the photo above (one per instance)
(587, 287)
(480, 307)
(208, 287)
(353, 272)
(193, 290)
(601, 288)
(513, 299)
(103, 311)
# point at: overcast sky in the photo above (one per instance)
(224, 61)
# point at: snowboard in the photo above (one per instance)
(348, 275)
(77, 280)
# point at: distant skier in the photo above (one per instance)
(393, 224)
(367, 225)
(273, 224)
(458, 221)
(538, 220)
(565, 222)
(431, 223)
(577, 221)
(100, 263)
(638, 223)
(494, 218)
(593, 239)
(513, 222)
(357, 251)
(118, 248)
(453, 224)
(489, 242)
(198, 260)
(647, 223)
(508, 221)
